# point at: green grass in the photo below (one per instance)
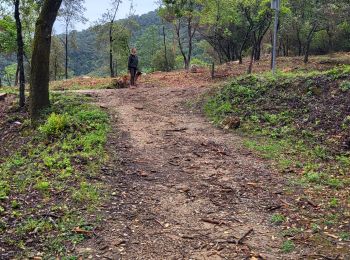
(52, 171)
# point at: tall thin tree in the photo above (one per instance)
(20, 54)
(110, 16)
(71, 11)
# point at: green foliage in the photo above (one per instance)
(334, 202)
(345, 86)
(7, 34)
(160, 63)
(288, 246)
(278, 219)
(42, 186)
(55, 125)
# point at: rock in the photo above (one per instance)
(3, 96)
(194, 69)
(231, 122)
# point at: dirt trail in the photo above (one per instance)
(181, 188)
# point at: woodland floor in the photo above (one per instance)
(182, 188)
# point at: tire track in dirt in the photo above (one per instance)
(181, 188)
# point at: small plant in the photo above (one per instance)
(15, 204)
(345, 236)
(2, 210)
(334, 202)
(313, 177)
(278, 219)
(42, 186)
(287, 246)
(4, 190)
(54, 125)
(345, 86)
(334, 183)
(315, 228)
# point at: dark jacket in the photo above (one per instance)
(133, 62)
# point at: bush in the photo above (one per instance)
(159, 62)
(55, 125)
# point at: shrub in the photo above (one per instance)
(159, 62)
(55, 125)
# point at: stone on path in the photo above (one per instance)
(2, 96)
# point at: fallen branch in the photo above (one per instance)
(213, 221)
(272, 208)
(177, 130)
(240, 241)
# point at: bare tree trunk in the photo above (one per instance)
(300, 45)
(190, 37)
(20, 55)
(213, 70)
(111, 50)
(40, 73)
(17, 76)
(178, 32)
(165, 50)
(308, 43)
(250, 68)
(66, 50)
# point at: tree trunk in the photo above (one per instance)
(20, 55)
(307, 50)
(190, 37)
(66, 50)
(250, 68)
(213, 70)
(40, 72)
(111, 50)
(17, 75)
(300, 45)
(308, 43)
(165, 50)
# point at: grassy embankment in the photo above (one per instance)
(48, 187)
(301, 122)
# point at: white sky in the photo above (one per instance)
(95, 9)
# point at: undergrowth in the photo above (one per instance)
(47, 187)
(300, 121)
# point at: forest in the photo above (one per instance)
(220, 35)
(234, 142)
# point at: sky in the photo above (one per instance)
(95, 9)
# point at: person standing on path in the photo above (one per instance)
(133, 66)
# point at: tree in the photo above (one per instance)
(110, 17)
(40, 73)
(57, 61)
(71, 11)
(183, 14)
(147, 45)
(20, 54)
